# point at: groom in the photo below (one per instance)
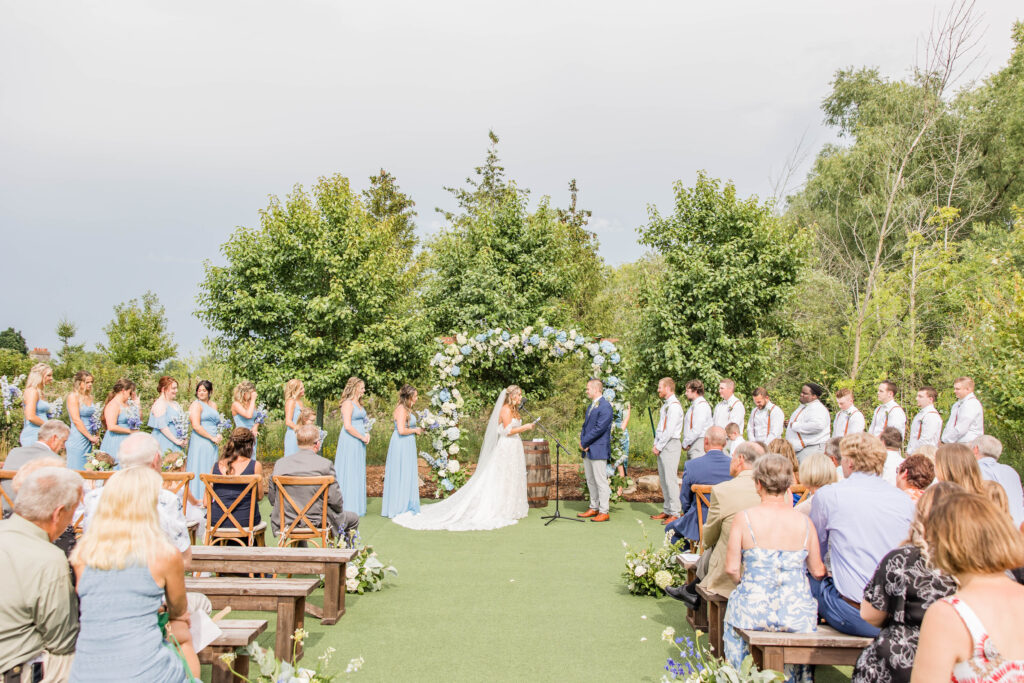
(595, 442)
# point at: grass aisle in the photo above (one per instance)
(524, 603)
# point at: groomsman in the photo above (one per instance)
(849, 419)
(966, 418)
(927, 424)
(697, 420)
(766, 420)
(888, 413)
(808, 428)
(668, 447)
(730, 408)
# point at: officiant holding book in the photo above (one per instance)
(595, 442)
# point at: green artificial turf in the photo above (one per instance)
(524, 603)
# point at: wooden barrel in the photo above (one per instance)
(538, 472)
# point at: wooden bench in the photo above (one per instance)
(285, 596)
(235, 634)
(715, 606)
(331, 562)
(696, 618)
(826, 646)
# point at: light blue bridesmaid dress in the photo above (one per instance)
(30, 432)
(202, 453)
(112, 440)
(247, 422)
(401, 478)
(290, 443)
(78, 445)
(158, 422)
(350, 464)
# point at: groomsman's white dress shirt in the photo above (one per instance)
(765, 423)
(808, 425)
(696, 421)
(889, 415)
(729, 411)
(966, 421)
(925, 429)
(849, 421)
(670, 422)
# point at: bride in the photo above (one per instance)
(495, 496)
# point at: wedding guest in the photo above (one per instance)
(50, 440)
(401, 475)
(668, 447)
(928, 451)
(895, 600)
(306, 463)
(38, 606)
(206, 437)
(81, 408)
(849, 419)
(785, 449)
(956, 463)
(893, 442)
(766, 420)
(888, 413)
(730, 408)
(808, 426)
(977, 634)
(832, 451)
(243, 410)
(33, 402)
(126, 571)
(195, 513)
(697, 419)
(915, 474)
(987, 450)
(734, 437)
(350, 459)
(927, 424)
(116, 416)
(815, 471)
(66, 541)
(858, 521)
(294, 390)
(237, 461)
(712, 468)
(772, 551)
(995, 492)
(966, 416)
(164, 413)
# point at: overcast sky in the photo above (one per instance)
(135, 136)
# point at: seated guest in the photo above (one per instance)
(38, 606)
(987, 450)
(858, 521)
(928, 451)
(49, 442)
(995, 492)
(306, 463)
(778, 548)
(977, 634)
(903, 587)
(236, 461)
(832, 451)
(893, 441)
(195, 513)
(710, 469)
(815, 471)
(785, 449)
(67, 539)
(126, 571)
(914, 475)
(956, 463)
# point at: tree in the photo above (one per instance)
(322, 290)
(13, 339)
(138, 334)
(714, 309)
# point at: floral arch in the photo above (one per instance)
(441, 420)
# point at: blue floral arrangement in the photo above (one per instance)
(134, 418)
(95, 421)
(260, 416)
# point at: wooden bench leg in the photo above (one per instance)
(716, 617)
(774, 659)
(222, 673)
(334, 588)
(290, 616)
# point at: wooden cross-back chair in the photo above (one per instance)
(176, 482)
(97, 478)
(703, 501)
(302, 528)
(228, 528)
(6, 501)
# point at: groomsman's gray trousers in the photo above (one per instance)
(696, 450)
(668, 473)
(597, 482)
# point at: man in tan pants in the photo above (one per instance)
(668, 448)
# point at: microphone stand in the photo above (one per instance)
(558, 449)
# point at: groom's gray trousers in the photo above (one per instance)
(597, 482)
(668, 473)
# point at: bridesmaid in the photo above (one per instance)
(350, 459)
(401, 476)
(202, 447)
(308, 417)
(81, 408)
(243, 409)
(115, 417)
(293, 405)
(163, 413)
(34, 402)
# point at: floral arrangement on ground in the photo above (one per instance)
(697, 664)
(270, 669)
(649, 569)
(365, 573)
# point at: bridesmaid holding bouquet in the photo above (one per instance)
(294, 390)
(243, 409)
(350, 459)
(117, 420)
(164, 413)
(401, 478)
(81, 408)
(34, 403)
(202, 447)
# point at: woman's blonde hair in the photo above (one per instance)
(785, 449)
(932, 496)
(349, 394)
(291, 388)
(243, 390)
(36, 376)
(307, 416)
(928, 451)
(997, 494)
(866, 451)
(956, 463)
(510, 390)
(817, 470)
(125, 530)
(968, 534)
(80, 378)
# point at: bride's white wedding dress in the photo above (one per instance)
(495, 496)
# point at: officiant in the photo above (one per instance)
(595, 442)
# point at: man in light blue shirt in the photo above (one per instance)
(858, 521)
(987, 450)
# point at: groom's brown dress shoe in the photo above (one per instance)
(589, 513)
(661, 516)
(669, 520)
(603, 517)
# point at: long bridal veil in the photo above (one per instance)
(492, 498)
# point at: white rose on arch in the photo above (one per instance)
(453, 450)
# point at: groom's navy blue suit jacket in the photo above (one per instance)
(597, 431)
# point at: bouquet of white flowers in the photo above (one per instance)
(270, 669)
